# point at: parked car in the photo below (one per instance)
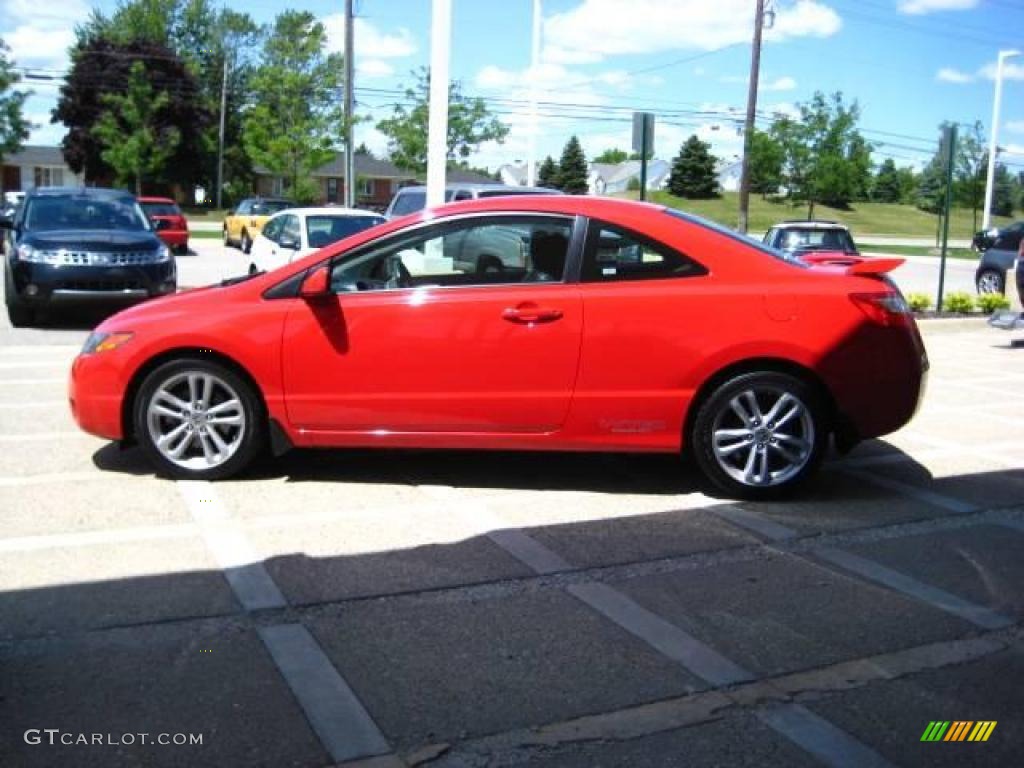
(298, 232)
(242, 224)
(412, 199)
(994, 263)
(75, 245)
(1008, 238)
(1019, 272)
(694, 337)
(803, 237)
(169, 222)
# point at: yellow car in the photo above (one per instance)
(242, 224)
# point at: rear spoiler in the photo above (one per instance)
(874, 266)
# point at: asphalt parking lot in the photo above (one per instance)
(468, 609)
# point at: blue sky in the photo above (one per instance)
(909, 63)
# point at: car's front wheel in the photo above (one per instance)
(197, 419)
(759, 435)
(227, 238)
(246, 242)
(991, 281)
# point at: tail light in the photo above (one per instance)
(887, 308)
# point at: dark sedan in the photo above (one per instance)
(75, 245)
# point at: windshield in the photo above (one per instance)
(326, 229)
(161, 209)
(409, 202)
(817, 240)
(54, 212)
(733, 235)
(268, 207)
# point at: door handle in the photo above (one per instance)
(531, 314)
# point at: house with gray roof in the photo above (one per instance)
(37, 166)
(376, 181)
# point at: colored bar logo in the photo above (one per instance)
(958, 730)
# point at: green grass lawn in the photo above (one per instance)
(861, 218)
(914, 250)
(196, 234)
(203, 214)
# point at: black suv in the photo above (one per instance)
(998, 249)
(66, 245)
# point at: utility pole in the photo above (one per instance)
(350, 152)
(949, 133)
(220, 134)
(748, 126)
(993, 147)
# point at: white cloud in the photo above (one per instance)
(372, 46)
(598, 28)
(780, 84)
(950, 75)
(919, 7)
(1012, 149)
(1014, 126)
(40, 37)
(1011, 71)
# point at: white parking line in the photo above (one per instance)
(978, 615)
(832, 745)
(59, 380)
(35, 404)
(52, 478)
(40, 437)
(948, 503)
(32, 364)
(93, 538)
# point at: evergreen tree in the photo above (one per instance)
(887, 183)
(693, 171)
(572, 173)
(547, 174)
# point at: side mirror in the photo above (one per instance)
(289, 242)
(316, 284)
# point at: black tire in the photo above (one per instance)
(991, 281)
(716, 412)
(182, 250)
(252, 436)
(246, 242)
(20, 315)
(227, 238)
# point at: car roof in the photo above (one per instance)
(482, 187)
(810, 224)
(329, 210)
(100, 193)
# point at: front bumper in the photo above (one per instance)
(95, 394)
(45, 283)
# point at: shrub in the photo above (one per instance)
(919, 302)
(959, 301)
(992, 302)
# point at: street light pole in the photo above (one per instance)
(350, 156)
(993, 146)
(437, 117)
(748, 126)
(531, 160)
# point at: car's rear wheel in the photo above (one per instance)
(246, 242)
(227, 238)
(197, 419)
(991, 281)
(760, 435)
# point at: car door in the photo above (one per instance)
(264, 246)
(407, 343)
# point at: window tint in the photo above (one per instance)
(290, 229)
(272, 230)
(520, 249)
(816, 239)
(463, 194)
(83, 212)
(613, 254)
(244, 208)
(324, 230)
(409, 202)
(268, 207)
(161, 209)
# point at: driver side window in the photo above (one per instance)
(272, 230)
(510, 249)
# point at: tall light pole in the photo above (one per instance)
(993, 146)
(437, 118)
(748, 126)
(350, 153)
(531, 160)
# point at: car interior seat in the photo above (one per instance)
(547, 255)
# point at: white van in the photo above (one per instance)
(411, 199)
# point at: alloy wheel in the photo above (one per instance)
(990, 282)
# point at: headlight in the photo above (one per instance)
(163, 253)
(99, 341)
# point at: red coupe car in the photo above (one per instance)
(532, 323)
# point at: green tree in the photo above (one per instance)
(572, 169)
(765, 166)
(14, 129)
(826, 159)
(294, 123)
(101, 66)
(547, 174)
(693, 171)
(970, 169)
(470, 124)
(612, 156)
(1002, 192)
(136, 141)
(908, 184)
(887, 183)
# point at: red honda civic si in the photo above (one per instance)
(523, 323)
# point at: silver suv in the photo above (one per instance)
(411, 199)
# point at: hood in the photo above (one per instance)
(100, 240)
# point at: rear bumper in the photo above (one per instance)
(174, 238)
